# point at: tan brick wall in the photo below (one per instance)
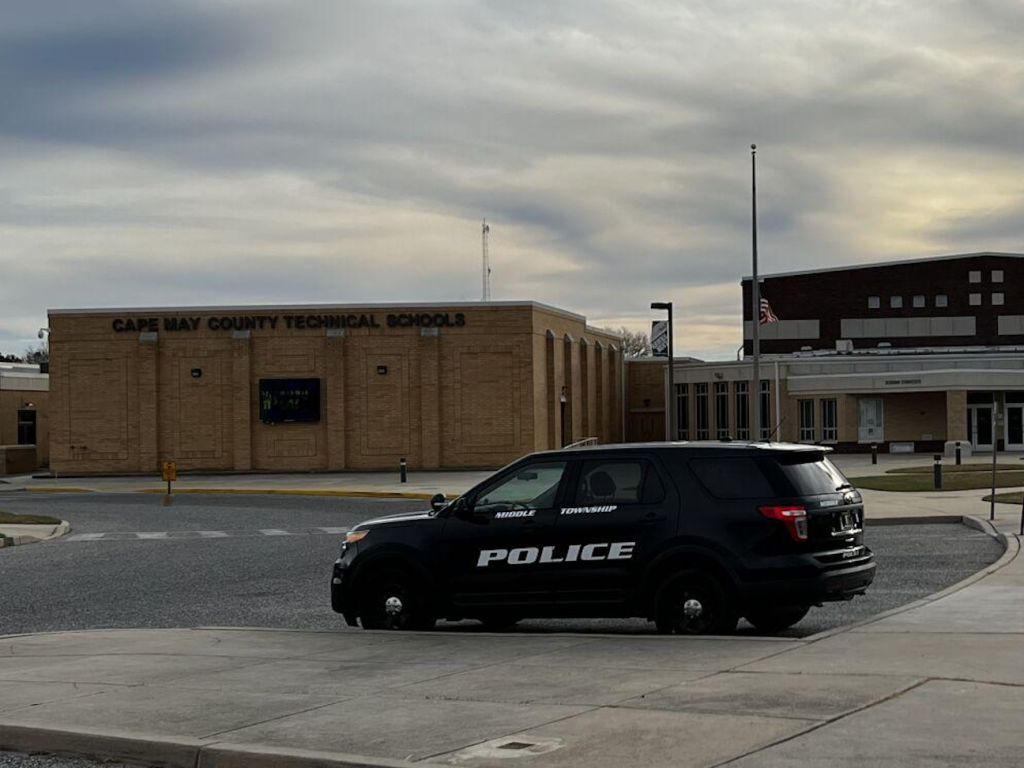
(476, 394)
(11, 401)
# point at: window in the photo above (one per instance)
(997, 299)
(802, 473)
(997, 275)
(974, 276)
(701, 390)
(682, 411)
(742, 410)
(896, 302)
(829, 421)
(766, 409)
(722, 409)
(918, 302)
(26, 427)
(874, 302)
(942, 300)
(610, 482)
(975, 299)
(806, 420)
(283, 401)
(531, 487)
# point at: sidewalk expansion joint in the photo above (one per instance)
(822, 724)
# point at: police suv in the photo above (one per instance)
(691, 536)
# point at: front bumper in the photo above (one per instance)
(342, 595)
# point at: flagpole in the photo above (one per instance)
(755, 292)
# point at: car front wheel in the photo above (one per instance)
(395, 599)
(692, 603)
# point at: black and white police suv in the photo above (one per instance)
(688, 535)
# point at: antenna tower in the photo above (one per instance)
(485, 232)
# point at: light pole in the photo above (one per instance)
(670, 405)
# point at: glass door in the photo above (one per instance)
(980, 426)
(871, 428)
(1015, 427)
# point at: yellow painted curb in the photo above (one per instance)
(420, 495)
(58, 489)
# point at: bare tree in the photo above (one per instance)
(634, 343)
(36, 355)
(10, 359)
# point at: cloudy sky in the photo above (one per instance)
(244, 151)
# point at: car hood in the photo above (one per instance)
(403, 518)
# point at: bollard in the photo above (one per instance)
(401, 471)
(938, 471)
(874, 453)
(958, 453)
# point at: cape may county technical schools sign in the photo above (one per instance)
(296, 322)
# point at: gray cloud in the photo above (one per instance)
(186, 151)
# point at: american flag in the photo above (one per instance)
(767, 316)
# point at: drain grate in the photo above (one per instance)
(515, 745)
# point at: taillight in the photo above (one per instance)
(794, 518)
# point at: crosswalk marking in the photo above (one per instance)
(168, 535)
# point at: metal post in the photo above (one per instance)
(402, 471)
(938, 472)
(958, 453)
(755, 293)
(874, 453)
(673, 424)
(995, 454)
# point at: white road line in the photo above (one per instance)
(152, 534)
(212, 534)
(85, 536)
(333, 530)
(177, 535)
(275, 532)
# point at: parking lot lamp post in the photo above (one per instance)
(670, 405)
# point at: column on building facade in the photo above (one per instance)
(586, 394)
(334, 364)
(241, 397)
(615, 394)
(956, 415)
(551, 380)
(600, 389)
(148, 362)
(571, 388)
(430, 400)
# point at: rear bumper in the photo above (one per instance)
(809, 582)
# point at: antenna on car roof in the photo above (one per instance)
(777, 428)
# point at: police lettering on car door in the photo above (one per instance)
(620, 550)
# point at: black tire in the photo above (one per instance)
(498, 623)
(379, 592)
(775, 619)
(694, 603)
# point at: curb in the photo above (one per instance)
(912, 520)
(57, 489)
(1011, 548)
(174, 751)
(13, 541)
(419, 495)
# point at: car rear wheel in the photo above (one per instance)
(692, 603)
(395, 599)
(776, 619)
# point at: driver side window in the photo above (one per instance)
(531, 487)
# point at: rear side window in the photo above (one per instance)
(807, 475)
(739, 478)
(775, 475)
(618, 482)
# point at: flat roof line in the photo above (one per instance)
(893, 263)
(318, 307)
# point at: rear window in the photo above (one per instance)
(776, 475)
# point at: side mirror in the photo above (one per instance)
(438, 502)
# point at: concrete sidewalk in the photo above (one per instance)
(938, 683)
(14, 535)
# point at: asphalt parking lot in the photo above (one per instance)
(212, 560)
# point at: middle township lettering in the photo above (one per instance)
(620, 550)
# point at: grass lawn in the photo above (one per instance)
(951, 481)
(9, 518)
(947, 468)
(1006, 498)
